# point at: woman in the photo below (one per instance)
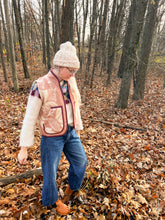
(54, 100)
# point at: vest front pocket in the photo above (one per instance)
(54, 122)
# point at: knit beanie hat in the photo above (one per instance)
(66, 56)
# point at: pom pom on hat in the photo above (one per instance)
(66, 56)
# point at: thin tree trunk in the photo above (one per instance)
(102, 35)
(21, 23)
(111, 39)
(78, 30)
(2, 58)
(5, 32)
(25, 23)
(145, 50)
(92, 29)
(13, 29)
(18, 24)
(43, 33)
(85, 14)
(47, 34)
(55, 37)
(97, 58)
(57, 25)
(112, 42)
(53, 23)
(11, 45)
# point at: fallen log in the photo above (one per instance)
(119, 125)
(17, 178)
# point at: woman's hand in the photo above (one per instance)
(22, 156)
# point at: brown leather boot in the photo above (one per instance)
(68, 194)
(68, 191)
(61, 208)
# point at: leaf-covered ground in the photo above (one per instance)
(125, 176)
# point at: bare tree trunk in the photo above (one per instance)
(145, 50)
(96, 46)
(102, 35)
(11, 45)
(18, 24)
(111, 40)
(21, 23)
(78, 30)
(57, 25)
(47, 34)
(114, 32)
(13, 30)
(25, 24)
(43, 33)
(127, 39)
(67, 21)
(53, 23)
(97, 59)
(2, 58)
(159, 43)
(138, 19)
(85, 14)
(5, 32)
(92, 29)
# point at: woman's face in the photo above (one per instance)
(66, 72)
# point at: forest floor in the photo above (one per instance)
(125, 175)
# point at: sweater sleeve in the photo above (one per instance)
(32, 111)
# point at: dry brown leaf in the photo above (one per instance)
(4, 201)
(141, 199)
(135, 204)
(10, 191)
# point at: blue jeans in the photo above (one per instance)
(51, 150)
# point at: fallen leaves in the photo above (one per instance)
(125, 172)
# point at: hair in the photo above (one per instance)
(74, 90)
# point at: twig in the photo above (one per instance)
(119, 125)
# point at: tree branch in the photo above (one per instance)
(12, 179)
(119, 125)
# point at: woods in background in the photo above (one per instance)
(111, 36)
